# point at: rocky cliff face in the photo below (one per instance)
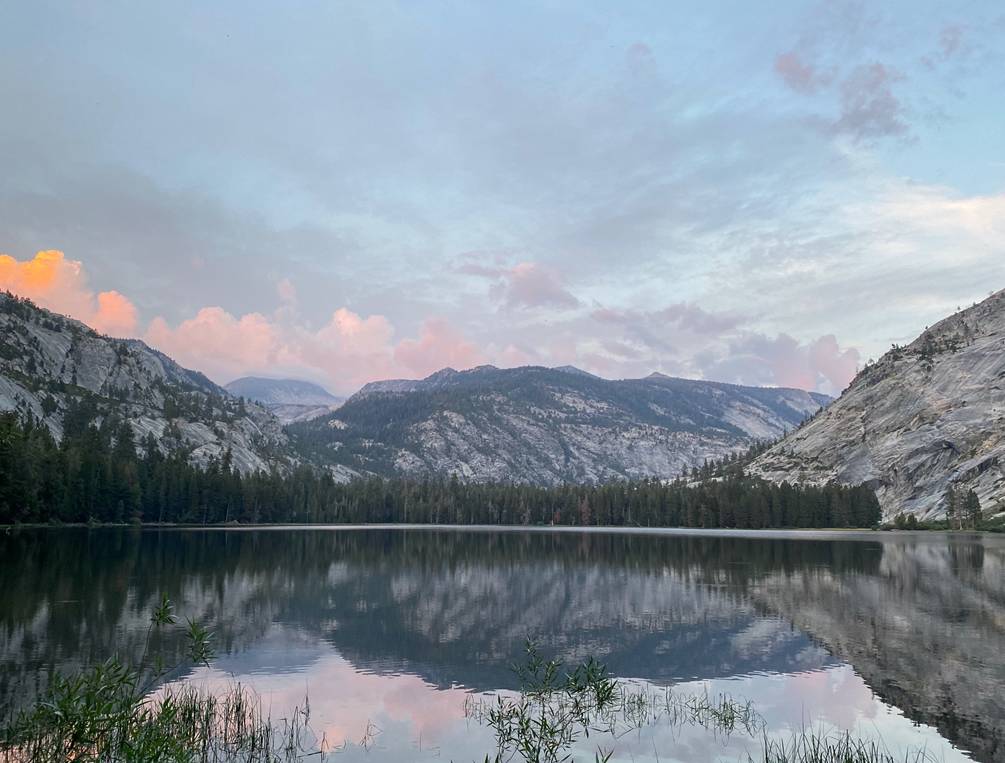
(548, 426)
(289, 400)
(50, 364)
(924, 417)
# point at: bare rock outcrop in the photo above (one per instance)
(51, 365)
(548, 425)
(923, 418)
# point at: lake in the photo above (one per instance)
(391, 632)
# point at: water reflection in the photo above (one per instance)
(406, 621)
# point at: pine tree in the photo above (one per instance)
(972, 509)
(952, 506)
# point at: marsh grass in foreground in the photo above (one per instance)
(555, 710)
(823, 747)
(101, 716)
(110, 714)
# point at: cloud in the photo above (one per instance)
(347, 351)
(783, 361)
(687, 340)
(439, 346)
(675, 329)
(217, 343)
(799, 75)
(951, 40)
(529, 284)
(350, 349)
(115, 316)
(869, 107)
(59, 284)
(524, 285)
(287, 291)
(625, 175)
(873, 267)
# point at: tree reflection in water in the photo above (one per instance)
(920, 617)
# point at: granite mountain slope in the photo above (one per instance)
(924, 417)
(51, 364)
(541, 425)
(289, 400)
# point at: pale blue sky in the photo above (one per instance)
(700, 188)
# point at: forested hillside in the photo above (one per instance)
(97, 474)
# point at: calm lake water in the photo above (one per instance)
(896, 636)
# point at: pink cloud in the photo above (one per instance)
(526, 284)
(837, 366)
(217, 343)
(512, 355)
(59, 284)
(440, 345)
(287, 291)
(531, 285)
(346, 352)
(684, 339)
(799, 75)
(784, 361)
(351, 349)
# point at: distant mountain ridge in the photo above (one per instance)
(51, 364)
(544, 425)
(289, 400)
(923, 418)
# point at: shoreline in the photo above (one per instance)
(767, 532)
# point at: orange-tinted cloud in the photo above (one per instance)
(351, 349)
(59, 284)
(116, 315)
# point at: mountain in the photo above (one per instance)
(289, 399)
(548, 426)
(51, 365)
(924, 417)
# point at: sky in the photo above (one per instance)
(765, 194)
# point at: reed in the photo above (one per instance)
(823, 747)
(101, 715)
(111, 714)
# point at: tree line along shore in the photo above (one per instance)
(97, 474)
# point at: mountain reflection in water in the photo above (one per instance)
(920, 617)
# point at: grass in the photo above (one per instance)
(822, 747)
(101, 715)
(110, 714)
(555, 710)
